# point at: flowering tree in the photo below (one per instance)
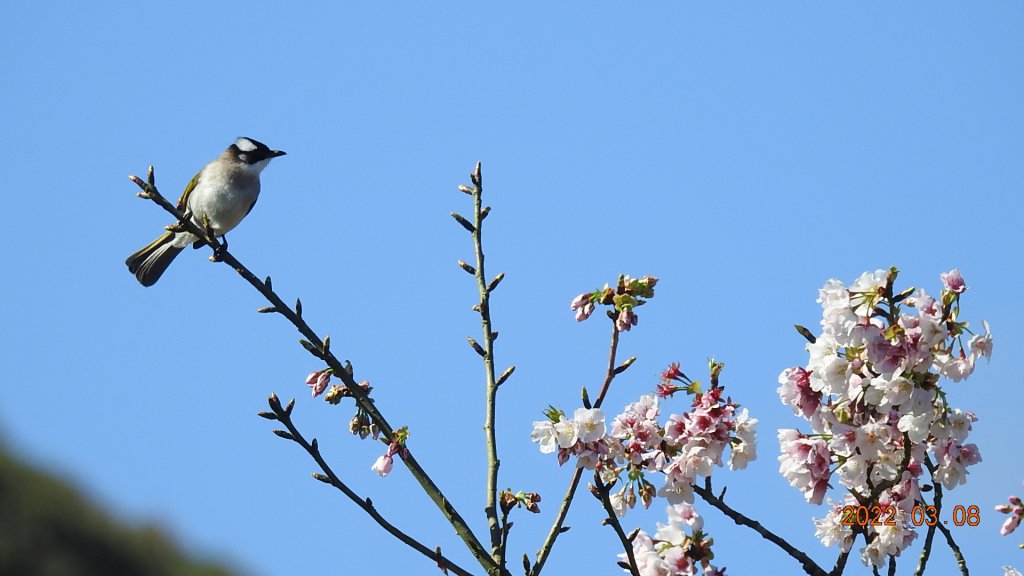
(881, 441)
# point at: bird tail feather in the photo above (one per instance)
(149, 263)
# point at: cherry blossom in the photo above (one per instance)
(953, 281)
(872, 393)
(383, 465)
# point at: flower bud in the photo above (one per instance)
(507, 501)
(530, 499)
(318, 381)
(626, 320)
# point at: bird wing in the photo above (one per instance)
(183, 201)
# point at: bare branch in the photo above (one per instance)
(809, 566)
(329, 477)
(149, 191)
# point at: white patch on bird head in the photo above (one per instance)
(257, 167)
(244, 144)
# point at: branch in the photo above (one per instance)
(961, 562)
(926, 551)
(809, 566)
(506, 526)
(601, 491)
(283, 415)
(841, 562)
(556, 527)
(316, 347)
(491, 384)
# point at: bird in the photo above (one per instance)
(222, 194)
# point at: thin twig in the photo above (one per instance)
(150, 192)
(570, 492)
(284, 416)
(556, 526)
(613, 521)
(961, 562)
(491, 387)
(610, 373)
(926, 550)
(809, 566)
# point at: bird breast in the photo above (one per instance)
(225, 196)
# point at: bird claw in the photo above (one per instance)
(218, 252)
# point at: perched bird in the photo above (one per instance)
(225, 190)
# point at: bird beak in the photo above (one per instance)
(276, 153)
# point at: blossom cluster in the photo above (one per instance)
(683, 448)
(628, 294)
(872, 395)
(671, 550)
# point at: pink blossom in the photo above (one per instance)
(685, 513)
(926, 304)
(678, 561)
(383, 465)
(953, 281)
(953, 460)
(666, 390)
(796, 391)
(805, 463)
(673, 373)
(959, 369)
(981, 346)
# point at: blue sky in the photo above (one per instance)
(744, 154)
